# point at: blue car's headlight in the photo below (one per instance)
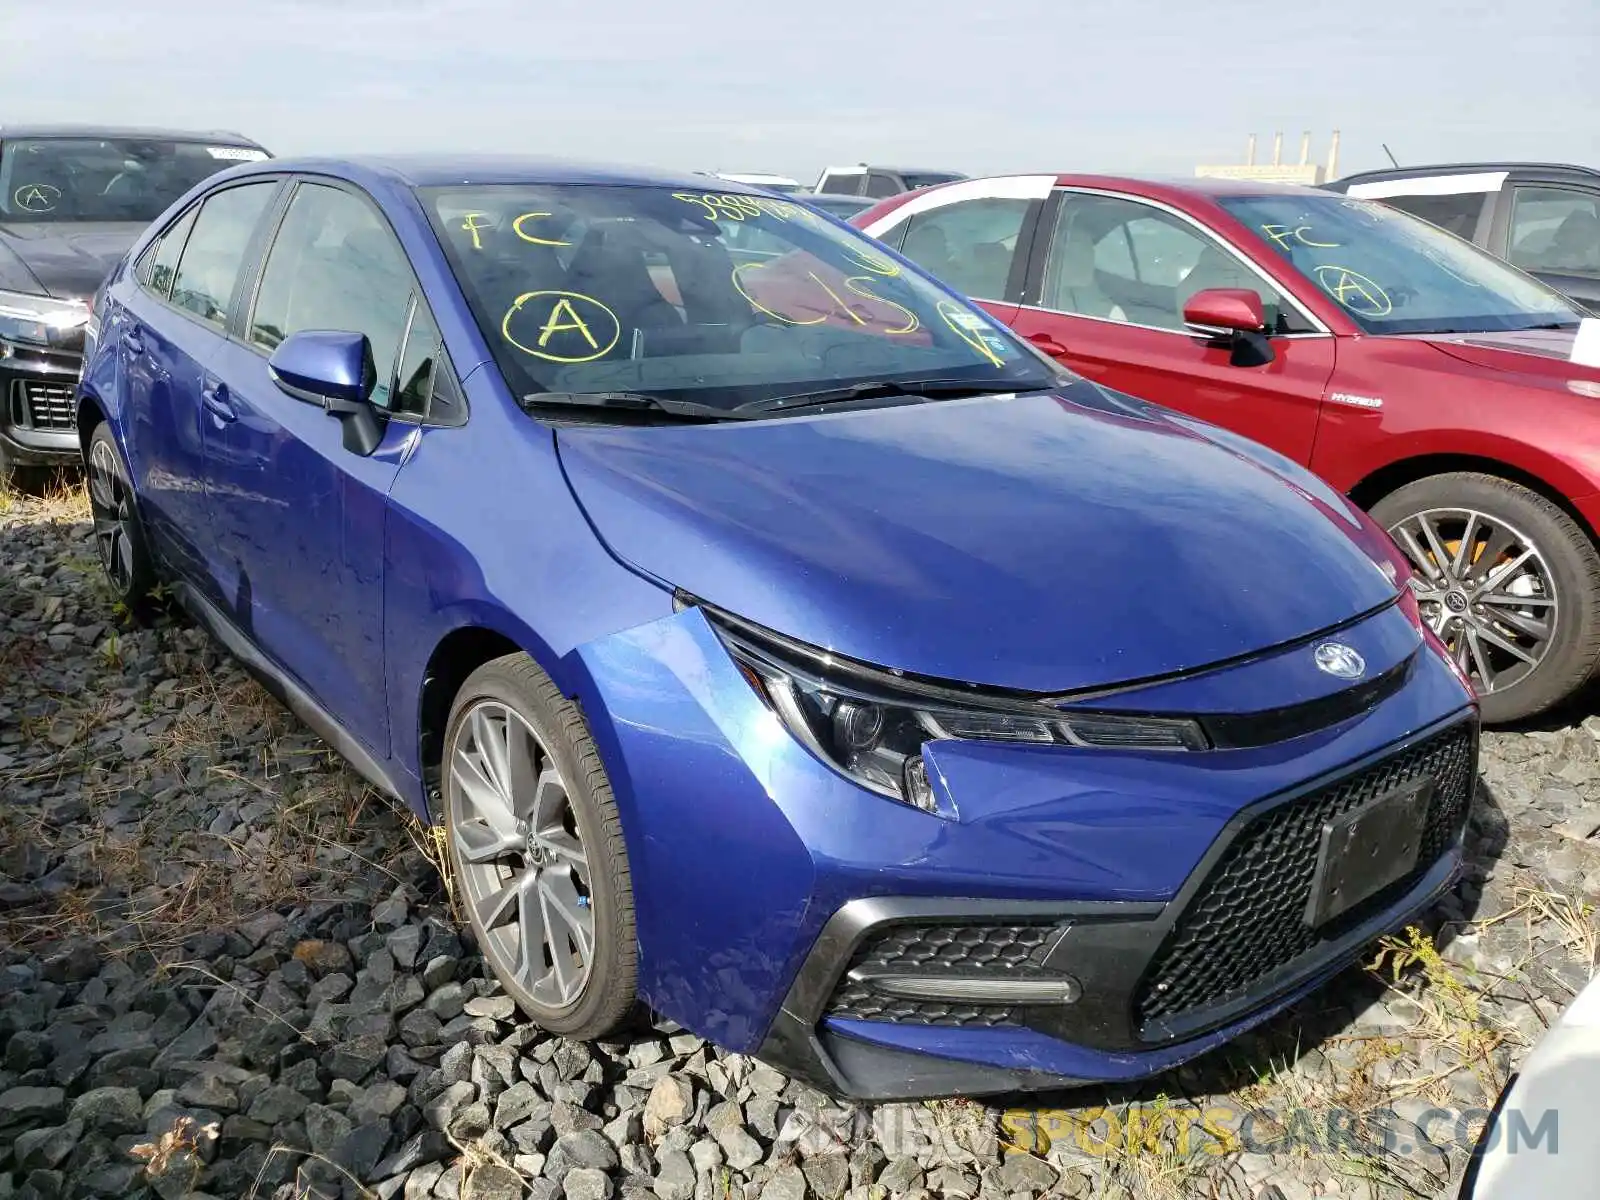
(870, 724)
(40, 320)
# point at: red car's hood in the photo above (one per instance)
(1543, 355)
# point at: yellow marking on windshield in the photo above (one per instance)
(516, 228)
(870, 260)
(961, 321)
(469, 223)
(1284, 234)
(757, 305)
(912, 324)
(845, 308)
(1354, 290)
(563, 320)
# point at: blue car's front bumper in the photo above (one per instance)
(781, 908)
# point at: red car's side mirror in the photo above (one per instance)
(1225, 310)
(1231, 317)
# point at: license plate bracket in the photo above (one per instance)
(1367, 849)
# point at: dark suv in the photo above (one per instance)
(1542, 217)
(72, 200)
(879, 182)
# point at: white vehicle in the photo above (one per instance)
(773, 183)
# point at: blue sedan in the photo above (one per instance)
(779, 640)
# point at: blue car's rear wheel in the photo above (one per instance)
(536, 850)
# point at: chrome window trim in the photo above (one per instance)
(1319, 327)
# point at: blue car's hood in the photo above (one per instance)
(1050, 542)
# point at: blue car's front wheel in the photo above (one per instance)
(536, 850)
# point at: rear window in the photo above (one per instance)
(105, 179)
(1456, 214)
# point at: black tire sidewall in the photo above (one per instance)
(1570, 555)
(609, 992)
(136, 598)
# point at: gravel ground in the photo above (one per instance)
(228, 968)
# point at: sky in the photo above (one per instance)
(1153, 86)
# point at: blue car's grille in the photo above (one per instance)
(959, 951)
(1245, 920)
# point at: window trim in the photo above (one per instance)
(1517, 185)
(199, 203)
(240, 332)
(147, 258)
(1043, 246)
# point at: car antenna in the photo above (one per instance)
(1390, 153)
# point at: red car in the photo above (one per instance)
(1442, 389)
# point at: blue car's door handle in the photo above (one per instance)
(214, 395)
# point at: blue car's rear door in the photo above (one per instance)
(299, 518)
(175, 313)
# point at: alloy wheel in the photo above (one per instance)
(111, 505)
(521, 860)
(1485, 589)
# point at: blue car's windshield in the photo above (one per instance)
(1394, 273)
(722, 299)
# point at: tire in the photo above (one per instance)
(1547, 608)
(118, 529)
(511, 698)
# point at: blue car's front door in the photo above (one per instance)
(299, 518)
(175, 311)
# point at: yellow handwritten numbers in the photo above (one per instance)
(1358, 293)
(734, 207)
(561, 327)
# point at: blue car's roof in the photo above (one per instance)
(434, 170)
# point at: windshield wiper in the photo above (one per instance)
(639, 402)
(882, 389)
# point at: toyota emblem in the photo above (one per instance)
(1339, 660)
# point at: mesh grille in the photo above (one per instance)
(960, 951)
(1246, 919)
(46, 405)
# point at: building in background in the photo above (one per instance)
(1277, 171)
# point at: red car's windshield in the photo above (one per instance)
(1394, 273)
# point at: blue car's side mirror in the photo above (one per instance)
(332, 369)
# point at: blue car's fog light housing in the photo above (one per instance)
(870, 724)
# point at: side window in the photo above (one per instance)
(880, 185)
(1120, 260)
(203, 282)
(1555, 229)
(846, 183)
(421, 364)
(1458, 214)
(160, 261)
(334, 264)
(969, 245)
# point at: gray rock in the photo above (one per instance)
(31, 1105)
(743, 1151)
(674, 1175)
(377, 1102)
(470, 1122)
(446, 1001)
(501, 1007)
(828, 1175)
(901, 1175)
(516, 1104)
(1025, 1173)
(110, 1110)
(48, 1147)
(276, 1104)
(671, 1103)
(326, 1128)
(581, 1148)
(356, 1059)
(786, 1183)
(586, 1183)
(361, 1149)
